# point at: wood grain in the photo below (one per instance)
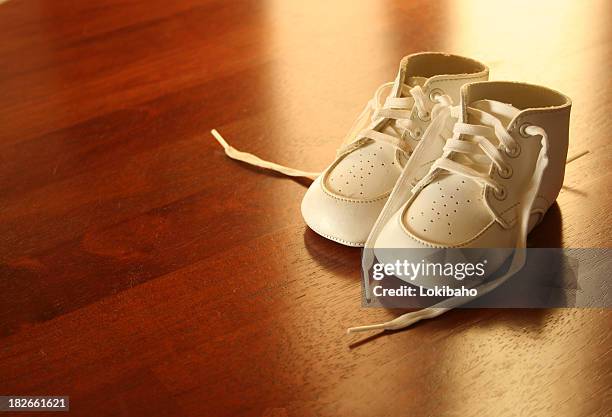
(143, 273)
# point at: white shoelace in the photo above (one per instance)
(475, 151)
(251, 159)
(480, 149)
(396, 109)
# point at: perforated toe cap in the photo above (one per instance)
(448, 212)
(395, 244)
(393, 236)
(365, 173)
(344, 220)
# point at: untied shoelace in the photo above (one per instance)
(396, 109)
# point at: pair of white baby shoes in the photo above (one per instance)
(440, 158)
(480, 174)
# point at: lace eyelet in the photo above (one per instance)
(500, 194)
(434, 93)
(505, 173)
(425, 116)
(514, 151)
(523, 130)
(416, 134)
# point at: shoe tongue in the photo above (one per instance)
(414, 81)
(504, 112)
(403, 79)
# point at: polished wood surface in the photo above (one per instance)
(143, 273)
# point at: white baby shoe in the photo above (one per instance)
(490, 178)
(343, 203)
(500, 171)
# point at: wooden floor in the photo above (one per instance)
(143, 273)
